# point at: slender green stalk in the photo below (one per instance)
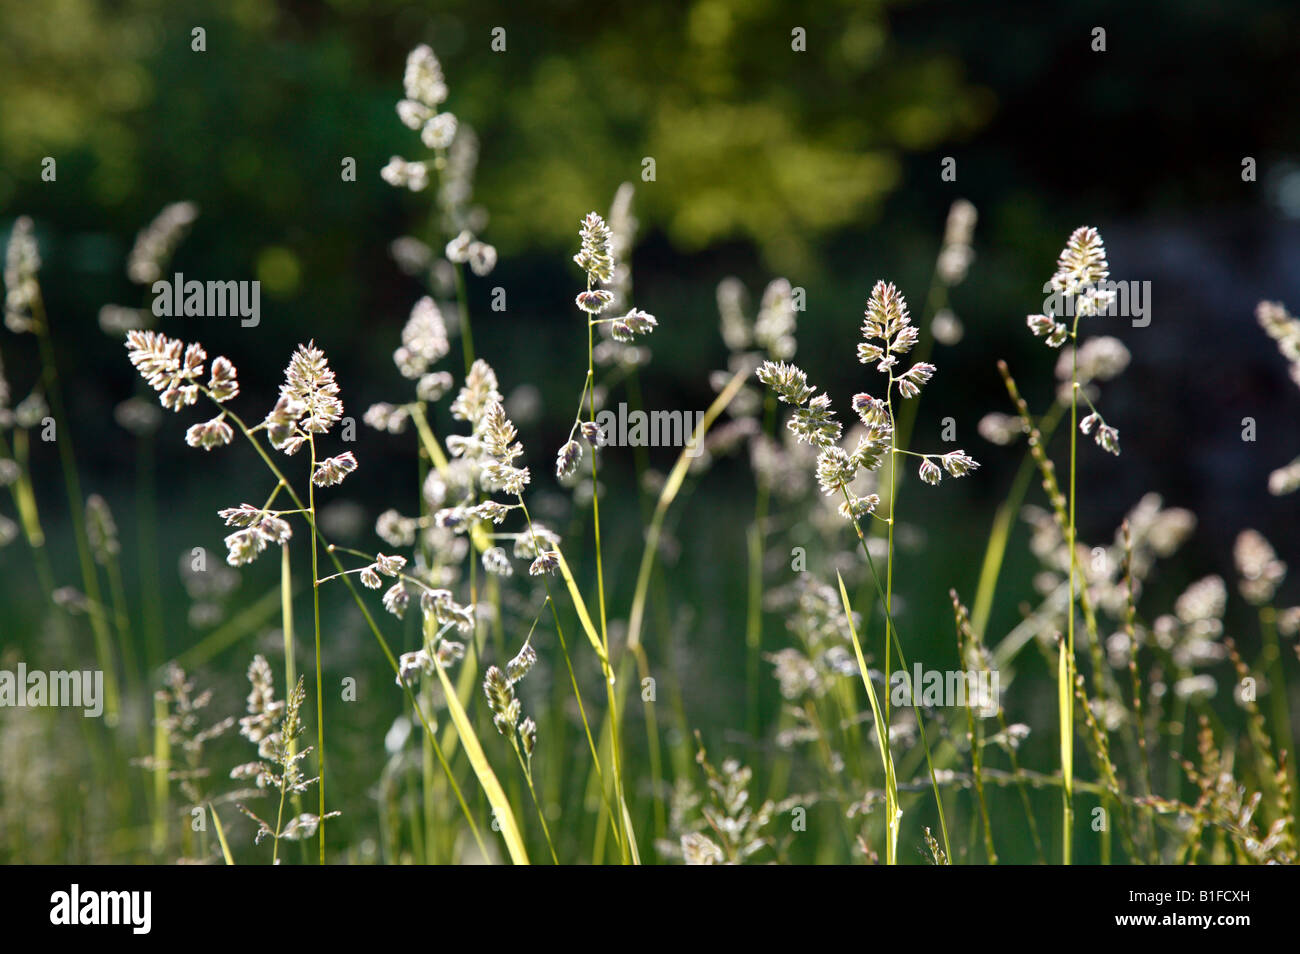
(161, 768)
(369, 618)
(147, 527)
(286, 620)
(616, 755)
(28, 513)
(967, 657)
(279, 822)
(888, 595)
(892, 631)
(995, 549)
(756, 540)
(893, 814)
(1281, 712)
(121, 618)
(1065, 674)
(462, 301)
(76, 507)
(290, 669)
(527, 769)
(315, 599)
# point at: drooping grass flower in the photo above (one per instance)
(157, 242)
(1257, 563)
(332, 470)
(887, 336)
(274, 727)
(22, 262)
(1284, 329)
(455, 154)
(1080, 288)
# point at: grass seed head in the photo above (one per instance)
(423, 81)
(331, 471)
(596, 256)
(22, 262)
(568, 459)
(309, 381)
(522, 663)
(157, 242)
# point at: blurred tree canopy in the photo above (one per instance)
(751, 138)
(822, 165)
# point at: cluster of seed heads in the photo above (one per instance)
(499, 687)
(157, 242)
(258, 530)
(1284, 329)
(595, 257)
(887, 333)
(440, 131)
(308, 406)
(422, 662)
(22, 262)
(1081, 276)
(274, 727)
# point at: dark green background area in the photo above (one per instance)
(822, 166)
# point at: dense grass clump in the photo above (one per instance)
(519, 613)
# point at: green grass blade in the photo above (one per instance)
(580, 607)
(496, 796)
(672, 486)
(894, 814)
(221, 835)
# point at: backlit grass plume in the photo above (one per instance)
(1080, 289)
(887, 335)
(274, 727)
(1284, 329)
(307, 408)
(454, 155)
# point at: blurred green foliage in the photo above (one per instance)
(751, 138)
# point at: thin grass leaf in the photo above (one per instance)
(894, 816)
(672, 486)
(221, 835)
(487, 778)
(580, 607)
